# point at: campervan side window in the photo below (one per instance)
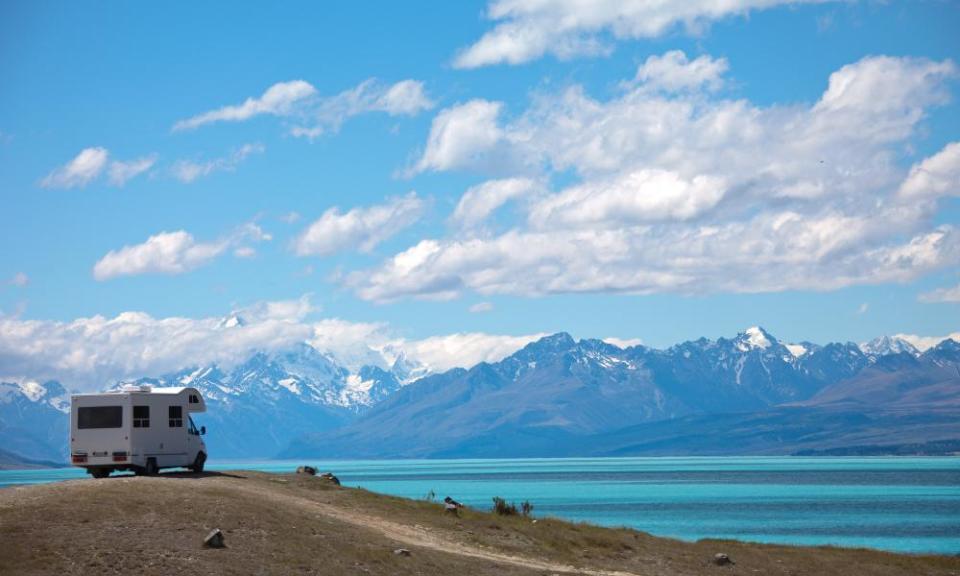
(194, 399)
(141, 416)
(100, 417)
(176, 416)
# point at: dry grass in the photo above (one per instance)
(289, 524)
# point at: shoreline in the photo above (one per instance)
(276, 522)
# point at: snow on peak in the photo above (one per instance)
(753, 337)
(888, 345)
(797, 350)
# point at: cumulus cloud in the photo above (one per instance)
(188, 170)
(939, 295)
(673, 72)
(480, 201)
(314, 114)
(684, 191)
(120, 173)
(641, 196)
(936, 176)
(77, 173)
(528, 29)
(360, 228)
(460, 135)
(171, 253)
(89, 354)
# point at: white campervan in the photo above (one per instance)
(138, 428)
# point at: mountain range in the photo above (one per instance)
(554, 397)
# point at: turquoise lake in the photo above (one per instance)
(899, 504)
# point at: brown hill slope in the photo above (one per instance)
(289, 524)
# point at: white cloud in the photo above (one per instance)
(480, 201)
(936, 176)
(85, 167)
(314, 114)
(278, 100)
(481, 307)
(171, 253)
(405, 98)
(19, 279)
(688, 192)
(673, 72)
(924, 343)
(187, 170)
(939, 295)
(623, 342)
(465, 349)
(862, 309)
(634, 197)
(122, 172)
(91, 353)
(360, 228)
(461, 135)
(529, 29)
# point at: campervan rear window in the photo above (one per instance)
(100, 417)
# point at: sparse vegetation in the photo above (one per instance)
(502, 508)
(296, 524)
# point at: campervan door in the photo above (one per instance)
(99, 428)
(160, 429)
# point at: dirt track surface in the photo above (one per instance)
(289, 524)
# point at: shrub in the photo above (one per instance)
(431, 496)
(501, 507)
(526, 508)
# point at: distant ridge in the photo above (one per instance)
(555, 396)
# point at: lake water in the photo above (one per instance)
(900, 504)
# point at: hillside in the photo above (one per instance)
(290, 524)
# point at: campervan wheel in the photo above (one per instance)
(198, 462)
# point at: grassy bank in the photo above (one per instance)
(290, 524)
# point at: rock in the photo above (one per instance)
(214, 539)
(330, 477)
(307, 470)
(721, 559)
(401, 552)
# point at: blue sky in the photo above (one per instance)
(603, 231)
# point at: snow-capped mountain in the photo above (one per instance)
(558, 392)
(888, 345)
(34, 419)
(551, 389)
(272, 398)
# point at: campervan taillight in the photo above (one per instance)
(79, 458)
(119, 456)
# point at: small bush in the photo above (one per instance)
(431, 496)
(526, 508)
(501, 507)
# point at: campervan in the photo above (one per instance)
(139, 428)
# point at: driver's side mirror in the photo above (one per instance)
(203, 430)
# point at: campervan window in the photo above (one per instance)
(99, 417)
(176, 417)
(141, 416)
